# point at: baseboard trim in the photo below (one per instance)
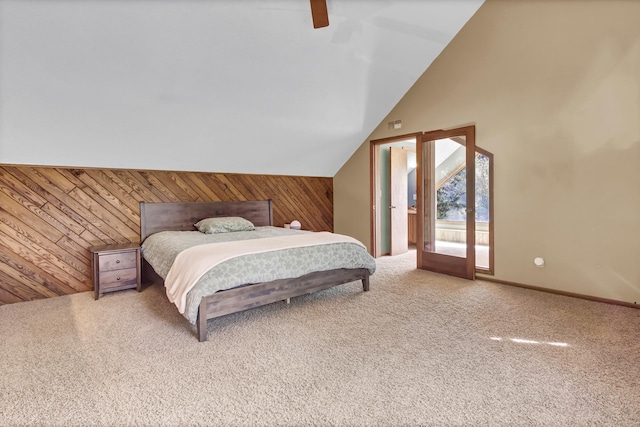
(557, 292)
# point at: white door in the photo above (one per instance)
(399, 220)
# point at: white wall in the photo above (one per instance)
(218, 86)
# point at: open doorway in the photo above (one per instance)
(394, 195)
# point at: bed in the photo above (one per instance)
(215, 294)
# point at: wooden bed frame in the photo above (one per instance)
(156, 217)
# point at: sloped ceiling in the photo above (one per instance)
(209, 85)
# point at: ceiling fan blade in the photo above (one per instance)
(319, 13)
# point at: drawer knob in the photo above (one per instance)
(117, 261)
(118, 278)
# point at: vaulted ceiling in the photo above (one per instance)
(209, 85)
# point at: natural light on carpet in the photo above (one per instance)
(523, 341)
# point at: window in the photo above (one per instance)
(451, 205)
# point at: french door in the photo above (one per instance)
(446, 201)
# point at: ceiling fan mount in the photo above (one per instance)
(319, 13)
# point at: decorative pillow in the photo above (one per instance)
(224, 224)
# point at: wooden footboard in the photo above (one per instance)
(255, 295)
(250, 296)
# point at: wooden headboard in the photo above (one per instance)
(181, 216)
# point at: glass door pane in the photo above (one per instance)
(449, 186)
(483, 211)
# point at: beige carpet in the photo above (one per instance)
(418, 349)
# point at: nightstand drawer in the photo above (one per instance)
(117, 278)
(118, 261)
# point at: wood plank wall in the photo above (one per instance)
(49, 217)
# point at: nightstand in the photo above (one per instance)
(115, 267)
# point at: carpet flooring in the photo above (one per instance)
(418, 349)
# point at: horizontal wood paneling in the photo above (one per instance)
(49, 217)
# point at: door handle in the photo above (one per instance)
(392, 207)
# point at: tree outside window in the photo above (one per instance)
(451, 196)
